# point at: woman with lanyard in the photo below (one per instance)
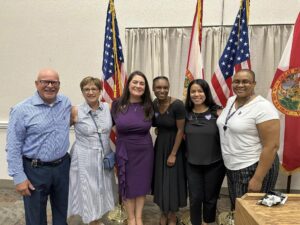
(249, 132)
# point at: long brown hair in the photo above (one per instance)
(121, 104)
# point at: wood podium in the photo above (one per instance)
(249, 213)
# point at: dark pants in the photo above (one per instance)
(238, 180)
(204, 183)
(50, 181)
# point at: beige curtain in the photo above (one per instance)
(164, 51)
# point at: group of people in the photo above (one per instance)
(197, 143)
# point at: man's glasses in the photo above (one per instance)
(87, 90)
(243, 82)
(45, 83)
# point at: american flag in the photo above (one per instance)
(114, 76)
(194, 67)
(236, 56)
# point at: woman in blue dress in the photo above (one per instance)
(91, 186)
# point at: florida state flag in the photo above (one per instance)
(285, 93)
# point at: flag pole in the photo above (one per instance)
(191, 72)
(117, 66)
(118, 214)
(288, 185)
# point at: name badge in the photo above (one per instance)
(224, 140)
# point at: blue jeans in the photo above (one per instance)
(48, 181)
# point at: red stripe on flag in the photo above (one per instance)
(277, 74)
(218, 89)
(191, 40)
(249, 64)
(108, 89)
(295, 51)
(291, 154)
(229, 84)
(237, 67)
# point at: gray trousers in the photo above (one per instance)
(238, 180)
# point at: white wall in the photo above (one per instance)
(68, 35)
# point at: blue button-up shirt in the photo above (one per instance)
(37, 130)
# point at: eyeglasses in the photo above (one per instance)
(45, 83)
(87, 90)
(243, 82)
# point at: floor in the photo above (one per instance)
(12, 212)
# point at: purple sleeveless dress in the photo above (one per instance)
(134, 152)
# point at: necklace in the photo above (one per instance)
(200, 111)
(136, 106)
(196, 114)
(229, 114)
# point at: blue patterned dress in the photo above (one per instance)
(91, 187)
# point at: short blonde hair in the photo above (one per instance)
(93, 80)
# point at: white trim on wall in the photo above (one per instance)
(3, 124)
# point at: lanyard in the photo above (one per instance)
(229, 115)
(102, 152)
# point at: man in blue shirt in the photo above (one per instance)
(37, 144)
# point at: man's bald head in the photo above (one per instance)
(47, 85)
(47, 71)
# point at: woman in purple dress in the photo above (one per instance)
(132, 114)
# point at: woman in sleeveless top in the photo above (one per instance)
(91, 186)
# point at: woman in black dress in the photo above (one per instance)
(169, 182)
(205, 167)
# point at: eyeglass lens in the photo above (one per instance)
(87, 90)
(47, 82)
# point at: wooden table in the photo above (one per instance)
(249, 213)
